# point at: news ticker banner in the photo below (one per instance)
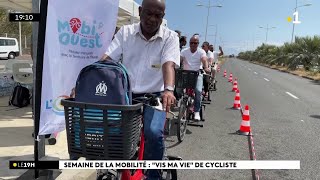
(154, 165)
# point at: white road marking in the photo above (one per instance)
(302, 120)
(249, 69)
(292, 95)
(266, 79)
(255, 72)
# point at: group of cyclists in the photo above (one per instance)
(199, 59)
(151, 53)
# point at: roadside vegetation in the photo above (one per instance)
(301, 57)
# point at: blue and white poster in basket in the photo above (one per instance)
(77, 34)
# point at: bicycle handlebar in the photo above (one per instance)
(153, 101)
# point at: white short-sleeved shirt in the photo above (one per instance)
(210, 55)
(193, 60)
(215, 56)
(144, 58)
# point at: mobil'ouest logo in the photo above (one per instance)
(83, 33)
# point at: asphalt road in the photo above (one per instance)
(285, 121)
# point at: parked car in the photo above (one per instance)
(9, 48)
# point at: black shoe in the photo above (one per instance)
(52, 141)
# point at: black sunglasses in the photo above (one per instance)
(194, 43)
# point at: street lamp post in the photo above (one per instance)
(295, 10)
(20, 42)
(215, 38)
(267, 29)
(215, 35)
(208, 6)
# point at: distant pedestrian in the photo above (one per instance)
(179, 33)
(183, 42)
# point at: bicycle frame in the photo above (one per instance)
(138, 175)
(190, 106)
(191, 95)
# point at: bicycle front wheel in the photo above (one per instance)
(182, 121)
(109, 174)
(170, 174)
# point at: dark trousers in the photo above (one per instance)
(153, 122)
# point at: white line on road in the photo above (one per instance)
(255, 72)
(249, 69)
(302, 120)
(266, 79)
(292, 95)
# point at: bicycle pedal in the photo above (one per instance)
(174, 157)
(182, 120)
(196, 125)
(206, 102)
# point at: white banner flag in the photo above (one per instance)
(77, 34)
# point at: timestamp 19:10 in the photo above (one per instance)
(18, 17)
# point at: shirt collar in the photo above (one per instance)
(158, 34)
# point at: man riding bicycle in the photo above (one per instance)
(194, 58)
(215, 61)
(150, 53)
(205, 47)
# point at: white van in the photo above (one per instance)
(9, 48)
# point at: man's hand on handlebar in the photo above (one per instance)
(207, 70)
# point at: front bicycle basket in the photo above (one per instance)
(186, 78)
(102, 132)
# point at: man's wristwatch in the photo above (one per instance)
(169, 88)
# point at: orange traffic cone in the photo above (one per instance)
(225, 73)
(230, 77)
(235, 86)
(236, 104)
(245, 123)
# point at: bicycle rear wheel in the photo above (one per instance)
(182, 121)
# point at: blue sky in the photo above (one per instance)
(239, 20)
